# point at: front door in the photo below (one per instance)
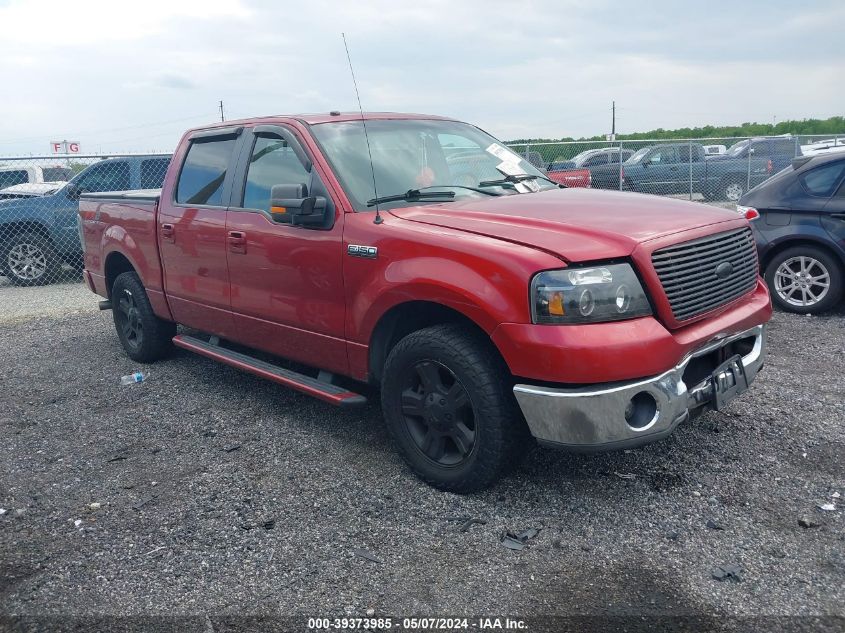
(286, 281)
(192, 233)
(661, 175)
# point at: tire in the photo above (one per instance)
(449, 406)
(796, 278)
(731, 189)
(144, 336)
(29, 259)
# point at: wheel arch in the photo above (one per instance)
(116, 264)
(801, 240)
(407, 317)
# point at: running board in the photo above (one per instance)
(324, 391)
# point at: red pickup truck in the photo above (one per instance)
(417, 254)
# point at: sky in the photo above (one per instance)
(132, 76)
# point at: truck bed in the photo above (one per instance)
(123, 224)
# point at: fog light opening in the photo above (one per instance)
(641, 411)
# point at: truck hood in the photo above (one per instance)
(574, 224)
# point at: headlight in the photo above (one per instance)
(588, 295)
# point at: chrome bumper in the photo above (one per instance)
(594, 417)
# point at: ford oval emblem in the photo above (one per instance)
(724, 270)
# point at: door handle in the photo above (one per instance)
(168, 233)
(237, 242)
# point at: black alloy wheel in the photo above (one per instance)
(438, 413)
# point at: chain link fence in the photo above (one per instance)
(39, 236)
(39, 201)
(715, 170)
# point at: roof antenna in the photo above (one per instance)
(378, 219)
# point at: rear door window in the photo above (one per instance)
(203, 172)
(822, 181)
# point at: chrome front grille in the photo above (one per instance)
(688, 271)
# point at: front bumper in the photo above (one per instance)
(594, 417)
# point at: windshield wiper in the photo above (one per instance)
(410, 196)
(511, 179)
(485, 192)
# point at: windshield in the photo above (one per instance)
(410, 154)
(636, 156)
(737, 148)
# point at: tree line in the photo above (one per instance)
(830, 126)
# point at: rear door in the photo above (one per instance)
(286, 281)
(192, 232)
(833, 215)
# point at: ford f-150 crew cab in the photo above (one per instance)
(487, 312)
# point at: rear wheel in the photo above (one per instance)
(732, 189)
(29, 259)
(144, 336)
(804, 279)
(449, 406)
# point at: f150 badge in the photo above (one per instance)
(370, 252)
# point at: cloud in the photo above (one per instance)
(132, 76)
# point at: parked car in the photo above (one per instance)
(39, 233)
(592, 158)
(673, 168)
(778, 149)
(486, 313)
(18, 174)
(800, 232)
(30, 190)
(824, 147)
(577, 172)
(570, 177)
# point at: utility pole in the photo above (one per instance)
(222, 118)
(613, 121)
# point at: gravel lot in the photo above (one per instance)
(219, 494)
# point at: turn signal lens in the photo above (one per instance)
(556, 304)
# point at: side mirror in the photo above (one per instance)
(751, 151)
(291, 204)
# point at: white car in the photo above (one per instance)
(12, 174)
(30, 190)
(714, 150)
(824, 147)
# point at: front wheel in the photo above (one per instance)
(804, 279)
(144, 336)
(448, 403)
